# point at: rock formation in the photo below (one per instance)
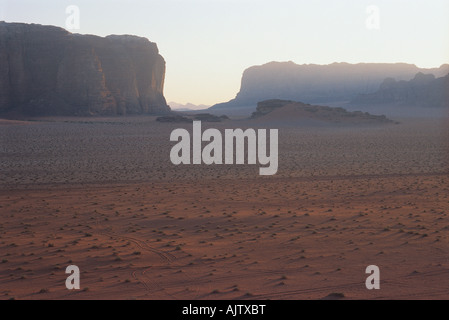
(422, 91)
(45, 70)
(311, 83)
(290, 112)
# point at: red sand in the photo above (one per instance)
(343, 199)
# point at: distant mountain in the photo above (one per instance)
(186, 107)
(46, 70)
(312, 83)
(424, 90)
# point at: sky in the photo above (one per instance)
(207, 44)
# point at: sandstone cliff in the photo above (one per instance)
(46, 70)
(313, 83)
(424, 90)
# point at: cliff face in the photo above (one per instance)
(424, 90)
(311, 83)
(46, 70)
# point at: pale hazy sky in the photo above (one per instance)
(207, 44)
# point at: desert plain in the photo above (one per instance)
(102, 194)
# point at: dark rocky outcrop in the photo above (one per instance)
(424, 90)
(287, 111)
(267, 106)
(319, 84)
(46, 70)
(174, 118)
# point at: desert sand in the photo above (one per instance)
(102, 194)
